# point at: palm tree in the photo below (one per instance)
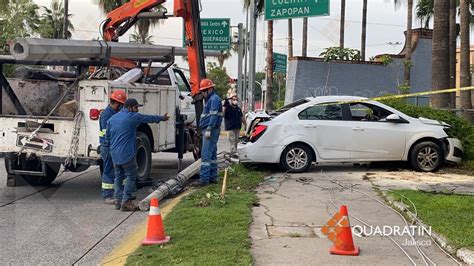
(343, 21)
(440, 56)
(364, 30)
(52, 22)
(142, 25)
(465, 74)
(453, 34)
(424, 11)
(304, 50)
(406, 75)
(137, 38)
(290, 38)
(223, 56)
(269, 92)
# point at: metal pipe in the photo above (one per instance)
(35, 49)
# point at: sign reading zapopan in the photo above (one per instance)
(285, 9)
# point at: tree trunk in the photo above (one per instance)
(65, 19)
(269, 93)
(290, 38)
(304, 52)
(343, 22)
(465, 73)
(406, 74)
(440, 56)
(452, 52)
(364, 31)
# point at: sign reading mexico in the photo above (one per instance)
(215, 34)
(285, 9)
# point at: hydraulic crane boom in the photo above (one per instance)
(124, 17)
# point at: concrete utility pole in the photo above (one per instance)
(65, 19)
(246, 45)
(240, 77)
(252, 54)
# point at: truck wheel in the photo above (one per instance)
(426, 156)
(143, 158)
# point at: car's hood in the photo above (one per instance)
(433, 122)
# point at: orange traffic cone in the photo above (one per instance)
(155, 230)
(344, 244)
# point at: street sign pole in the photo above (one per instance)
(240, 81)
(252, 54)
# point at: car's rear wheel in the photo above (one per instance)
(426, 156)
(296, 158)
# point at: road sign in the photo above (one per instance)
(279, 62)
(285, 9)
(215, 34)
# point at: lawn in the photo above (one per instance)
(206, 229)
(449, 215)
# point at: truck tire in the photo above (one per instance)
(143, 158)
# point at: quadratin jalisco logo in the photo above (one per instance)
(334, 227)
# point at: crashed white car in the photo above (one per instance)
(332, 129)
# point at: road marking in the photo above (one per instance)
(119, 255)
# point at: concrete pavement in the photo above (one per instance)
(293, 208)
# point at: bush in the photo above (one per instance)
(460, 128)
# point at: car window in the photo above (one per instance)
(182, 84)
(162, 79)
(322, 112)
(368, 112)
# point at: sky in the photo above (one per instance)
(385, 25)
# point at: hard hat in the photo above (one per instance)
(119, 96)
(206, 84)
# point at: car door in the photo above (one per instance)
(324, 127)
(373, 137)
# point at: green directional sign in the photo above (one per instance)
(215, 34)
(279, 62)
(285, 9)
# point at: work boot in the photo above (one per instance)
(128, 206)
(109, 201)
(198, 184)
(118, 205)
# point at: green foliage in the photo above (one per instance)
(279, 104)
(336, 53)
(460, 128)
(206, 228)
(404, 89)
(408, 63)
(385, 59)
(449, 215)
(18, 19)
(220, 77)
(52, 22)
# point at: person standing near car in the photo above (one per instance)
(233, 118)
(210, 124)
(121, 139)
(117, 99)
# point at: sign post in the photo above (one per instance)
(286, 9)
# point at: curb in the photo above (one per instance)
(132, 241)
(463, 254)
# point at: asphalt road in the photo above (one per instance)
(67, 223)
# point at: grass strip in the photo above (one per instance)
(207, 229)
(449, 215)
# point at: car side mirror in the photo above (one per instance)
(394, 118)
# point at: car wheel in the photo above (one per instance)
(426, 156)
(143, 158)
(296, 158)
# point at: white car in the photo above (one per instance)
(347, 129)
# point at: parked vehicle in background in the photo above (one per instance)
(332, 129)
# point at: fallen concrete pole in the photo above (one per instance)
(36, 49)
(165, 189)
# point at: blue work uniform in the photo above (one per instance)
(121, 140)
(108, 174)
(211, 120)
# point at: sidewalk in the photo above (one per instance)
(293, 208)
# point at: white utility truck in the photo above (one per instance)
(35, 145)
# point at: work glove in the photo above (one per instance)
(207, 134)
